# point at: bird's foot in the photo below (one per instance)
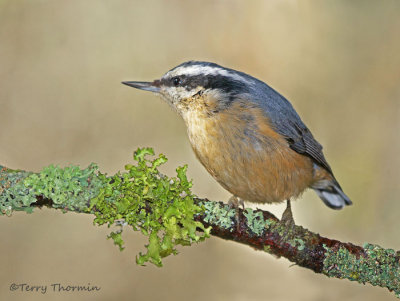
(287, 216)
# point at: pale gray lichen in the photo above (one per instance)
(219, 215)
(378, 266)
(297, 243)
(69, 188)
(255, 221)
(13, 193)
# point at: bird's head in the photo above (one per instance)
(200, 87)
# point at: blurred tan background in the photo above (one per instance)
(61, 102)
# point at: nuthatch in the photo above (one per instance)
(247, 135)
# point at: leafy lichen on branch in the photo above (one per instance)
(160, 207)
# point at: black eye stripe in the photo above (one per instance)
(221, 82)
(174, 81)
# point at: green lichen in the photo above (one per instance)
(13, 193)
(219, 215)
(160, 207)
(286, 231)
(69, 188)
(269, 222)
(379, 267)
(267, 249)
(298, 242)
(255, 221)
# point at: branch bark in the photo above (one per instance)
(255, 228)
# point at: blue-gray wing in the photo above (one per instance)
(287, 122)
(303, 142)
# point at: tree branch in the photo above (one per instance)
(73, 189)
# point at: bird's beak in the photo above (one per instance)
(147, 86)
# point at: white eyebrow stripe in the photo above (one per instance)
(206, 70)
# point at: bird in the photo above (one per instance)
(247, 135)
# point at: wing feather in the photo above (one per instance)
(304, 143)
(285, 120)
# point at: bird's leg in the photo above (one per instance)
(235, 202)
(287, 216)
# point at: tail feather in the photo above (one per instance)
(333, 196)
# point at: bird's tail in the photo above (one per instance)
(332, 194)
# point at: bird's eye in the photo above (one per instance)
(176, 81)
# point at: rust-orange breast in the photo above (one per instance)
(246, 156)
